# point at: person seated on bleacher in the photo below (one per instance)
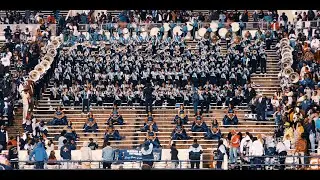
(179, 133)
(182, 115)
(27, 126)
(43, 128)
(150, 125)
(91, 124)
(112, 134)
(199, 125)
(52, 160)
(230, 118)
(115, 118)
(59, 117)
(215, 123)
(152, 138)
(213, 133)
(72, 143)
(70, 131)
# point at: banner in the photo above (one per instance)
(135, 154)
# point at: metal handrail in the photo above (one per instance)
(68, 163)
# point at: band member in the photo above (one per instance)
(150, 125)
(115, 118)
(91, 124)
(70, 131)
(199, 125)
(59, 117)
(152, 138)
(112, 134)
(230, 118)
(179, 133)
(86, 95)
(213, 133)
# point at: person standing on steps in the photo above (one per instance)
(86, 99)
(147, 93)
(263, 62)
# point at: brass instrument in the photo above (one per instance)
(34, 75)
(294, 78)
(40, 68)
(287, 71)
(46, 64)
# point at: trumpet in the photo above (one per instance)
(108, 52)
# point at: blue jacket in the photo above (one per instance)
(39, 153)
(65, 152)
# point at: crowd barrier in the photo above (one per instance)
(265, 163)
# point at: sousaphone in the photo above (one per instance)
(235, 27)
(294, 78)
(214, 26)
(154, 31)
(52, 52)
(222, 32)
(40, 68)
(176, 30)
(46, 64)
(202, 32)
(287, 71)
(166, 27)
(55, 43)
(285, 65)
(34, 75)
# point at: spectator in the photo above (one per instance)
(52, 160)
(195, 152)
(86, 155)
(174, 155)
(50, 145)
(107, 155)
(13, 155)
(3, 137)
(245, 145)
(301, 148)
(61, 139)
(230, 118)
(65, 151)
(40, 155)
(281, 150)
(257, 151)
(147, 153)
(92, 144)
(221, 151)
(234, 146)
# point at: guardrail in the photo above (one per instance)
(149, 26)
(255, 162)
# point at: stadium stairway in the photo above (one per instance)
(268, 83)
